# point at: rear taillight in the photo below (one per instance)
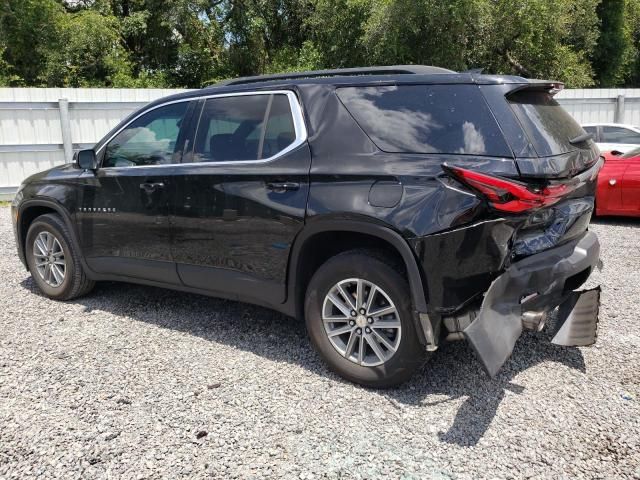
(509, 195)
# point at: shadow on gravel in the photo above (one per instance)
(453, 371)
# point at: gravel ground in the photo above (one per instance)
(139, 382)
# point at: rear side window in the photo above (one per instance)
(244, 128)
(453, 119)
(548, 125)
(619, 135)
(279, 132)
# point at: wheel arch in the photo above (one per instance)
(32, 209)
(334, 236)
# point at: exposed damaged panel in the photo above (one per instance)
(536, 284)
(567, 221)
(577, 320)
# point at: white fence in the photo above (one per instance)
(619, 105)
(40, 127)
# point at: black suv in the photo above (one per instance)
(391, 207)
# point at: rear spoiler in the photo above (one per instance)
(549, 86)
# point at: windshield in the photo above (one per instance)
(548, 126)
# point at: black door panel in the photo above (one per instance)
(123, 215)
(230, 283)
(227, 221)
(241, 198)
(119, 220)
(135, 268)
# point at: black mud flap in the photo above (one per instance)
(577, 321)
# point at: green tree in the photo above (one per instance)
(542, 39)
(630, 68)
(190, 43)
(533, 38)
(179, 41)
(612, 45)
(87, 52)
(425, 32)
(336, 33)
(28, 30)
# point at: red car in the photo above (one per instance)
(618, 191)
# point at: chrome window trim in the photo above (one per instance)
(296, 112)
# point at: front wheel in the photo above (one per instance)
(359, 317)
(53, 260)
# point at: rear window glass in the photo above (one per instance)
(451, 119)
(548, 125)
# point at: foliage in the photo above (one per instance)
(630, 69)
(190, 43)
(612, 43)
(88, 52)
(544, 39)
(28, 30)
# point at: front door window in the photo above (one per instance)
(149, 140)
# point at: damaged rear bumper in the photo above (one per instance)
(534, 287)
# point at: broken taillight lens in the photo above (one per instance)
(509, 195)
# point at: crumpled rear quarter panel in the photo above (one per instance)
(460, 264)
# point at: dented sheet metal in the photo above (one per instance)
(536, 283)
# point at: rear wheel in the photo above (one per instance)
(359, 317)
(53, 261)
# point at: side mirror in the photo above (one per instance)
(87, 160)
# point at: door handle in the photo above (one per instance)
(151, 186)
(283, 186)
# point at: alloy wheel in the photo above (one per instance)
(361, 322)
(49, 259)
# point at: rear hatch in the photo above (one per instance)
(557, 161)
(557, 146)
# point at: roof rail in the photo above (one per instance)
(383, 70)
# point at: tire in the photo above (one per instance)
(374, 269)
(74, 282)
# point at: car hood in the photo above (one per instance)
(61, 172)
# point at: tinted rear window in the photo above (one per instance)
(548, 125)
(453, 119)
